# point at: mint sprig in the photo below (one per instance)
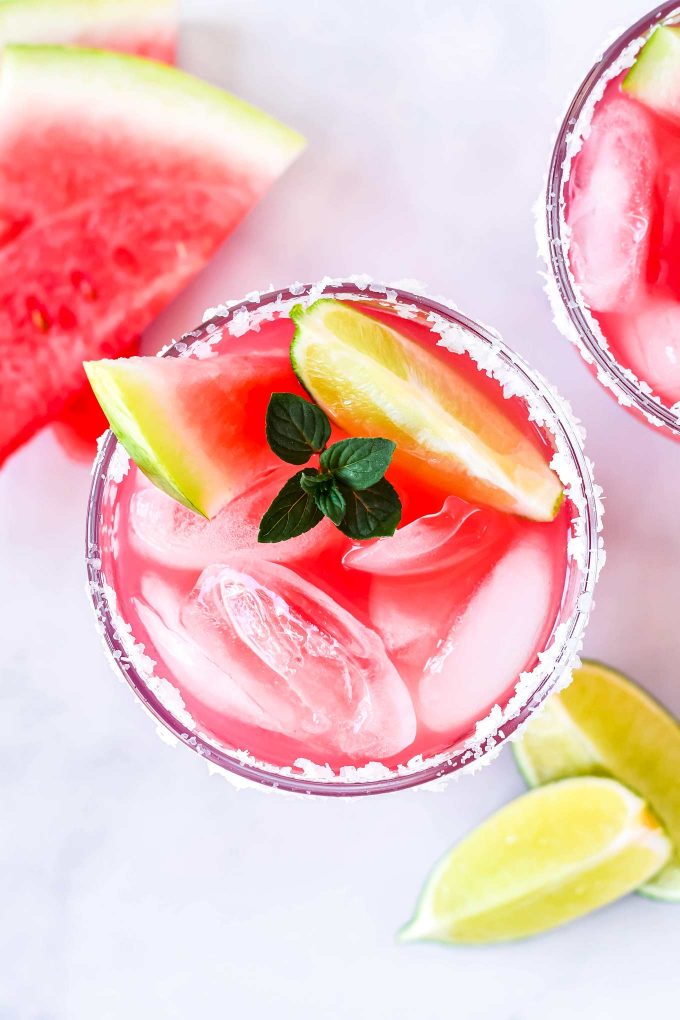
(296, 428)
(371, 512)
(291, 513)
(348, 487)
(358, 463)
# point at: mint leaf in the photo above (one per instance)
(291, 513)
(295, 428)
(330, 501)
(312, 480)
(372, 512)
(358, 463)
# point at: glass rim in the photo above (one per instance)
(458, 758)
(564, 294)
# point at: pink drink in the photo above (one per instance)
(613, 220)
(623, 207)
(326, 650)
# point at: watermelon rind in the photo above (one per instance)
(160, 101)
(194, 426)
(97, 22)
(141, 421)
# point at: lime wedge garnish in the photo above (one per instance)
(605, 724)
(654, 78)
(375, 382)
(547, 858)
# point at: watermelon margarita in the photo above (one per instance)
(323, 663)
(613, 219)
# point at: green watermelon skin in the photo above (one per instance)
(119, 179)
(145, 27)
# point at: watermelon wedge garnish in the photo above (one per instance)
(146, 27)
(119, 178)
(195, 427)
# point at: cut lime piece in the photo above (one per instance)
(654, 78)
(547, 858)
(375, 382)
(605, 724)
(195, 427)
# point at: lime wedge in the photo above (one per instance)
(654, 78)
(375, 382)
(605, 724)
(547, 858)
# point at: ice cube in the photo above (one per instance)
(610, 204)
(310, 664)
(648, 341)
(494, 640)
(182, 661)
(429, 543)
(169, 533)
(424, 576)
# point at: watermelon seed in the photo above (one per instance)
(39, 321)
(39, 314)
(84, 285)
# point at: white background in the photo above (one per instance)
(132, 885)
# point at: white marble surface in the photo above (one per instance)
(131, 884)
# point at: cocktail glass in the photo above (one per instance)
(553, 662)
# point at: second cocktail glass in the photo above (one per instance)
(610, 227)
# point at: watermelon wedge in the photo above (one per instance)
(146, 27)
(195, 427)
(119, 178)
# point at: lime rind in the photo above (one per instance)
(664, 887)
(565, 750)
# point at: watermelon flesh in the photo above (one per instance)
(119, 178)
(82, 421)
(195, 427)
(145, 27)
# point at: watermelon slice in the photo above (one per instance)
(195, 427)
(119, 178)
(146, 27)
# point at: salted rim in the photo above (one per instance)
(460, 335)
(570, 311)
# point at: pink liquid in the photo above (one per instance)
(331, 650)
(623, 208)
